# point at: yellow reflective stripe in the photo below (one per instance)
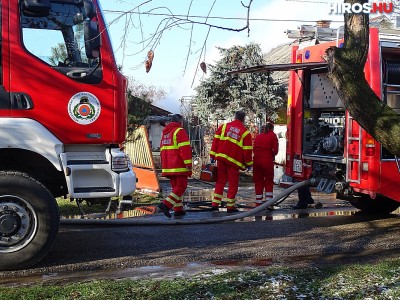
(213, 153)
(170, 200)
(216, 201)
(175, 145)
(229, 200)
(217, 136)
(187, 161)
(174, 195)
(217, 195)
(184, 144)
(175, 170)
(230, 159)
(243, 136)
(232, 141)
(169, 147)
(250, 163)
(223, 130)
(247, 147)
(175, 133)
(227, 138)
(180, 204)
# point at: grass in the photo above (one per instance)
(378, 281)
(70, 208)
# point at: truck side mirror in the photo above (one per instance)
(37, 7)
(92, 39)
(89, 8)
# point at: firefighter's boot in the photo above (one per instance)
(163, 208)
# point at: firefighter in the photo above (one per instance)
(264, 152)
(232, 149)
(176, 163)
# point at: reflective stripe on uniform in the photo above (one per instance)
(227, 138)
(230, 159)
(230, 202)
(174, 145)
(217, 198)
(175, 170)
(238, 143)
(268, 196)
(172, 198)
(184, 144)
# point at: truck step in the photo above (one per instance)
(94, 190)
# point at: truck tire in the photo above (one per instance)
(29, 221)
(379, 205)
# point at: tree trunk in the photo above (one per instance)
(346, 70)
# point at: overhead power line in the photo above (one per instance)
(208, 17)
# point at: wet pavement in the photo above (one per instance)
(198, 195)
(198, 204)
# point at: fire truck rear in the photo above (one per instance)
(63, 115)
(324, 140)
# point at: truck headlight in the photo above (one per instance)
(120, 163)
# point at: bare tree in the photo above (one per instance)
(189, 21)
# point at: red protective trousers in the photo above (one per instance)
(230, 174)
(263, 176)
(179, 184)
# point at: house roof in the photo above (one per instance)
(280, 55)
(158, 111)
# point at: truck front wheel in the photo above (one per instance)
(29, 221)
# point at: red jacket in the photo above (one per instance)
(176, 153)
(232, 144)
(265, 146)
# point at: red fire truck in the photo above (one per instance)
(323, 140)
(63, 115)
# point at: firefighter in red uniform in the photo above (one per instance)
(264, 151)
(232, 148)
(176, 163)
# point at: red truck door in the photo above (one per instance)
(53, 80)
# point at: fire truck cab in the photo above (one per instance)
(63, 116)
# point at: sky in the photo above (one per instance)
(178, 52)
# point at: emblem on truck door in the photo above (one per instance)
(84, 108)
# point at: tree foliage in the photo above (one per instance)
(58, 54)
(221, 94)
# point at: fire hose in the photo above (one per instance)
(137, 222)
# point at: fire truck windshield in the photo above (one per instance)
(58, 38)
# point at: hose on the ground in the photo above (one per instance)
(176, 221)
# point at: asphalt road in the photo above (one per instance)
(285, 237)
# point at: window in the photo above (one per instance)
(58, 38)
